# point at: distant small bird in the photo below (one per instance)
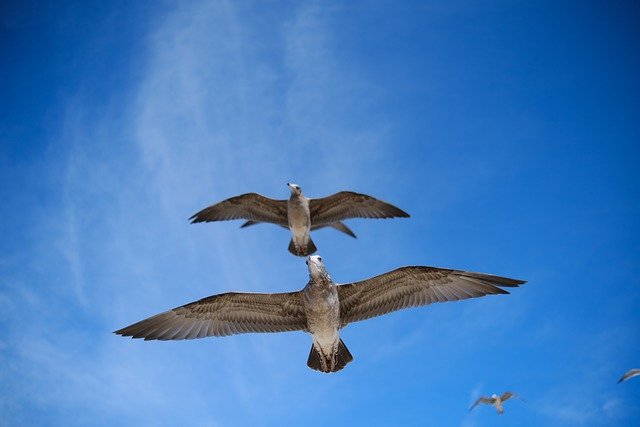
(495, 400)
(300, 214)
(632, 373)
(321, 308)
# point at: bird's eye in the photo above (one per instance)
(319, 259)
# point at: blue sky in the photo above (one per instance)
(508, 130)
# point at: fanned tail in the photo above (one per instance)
(311, 248)
(329, 363)
(344, 355)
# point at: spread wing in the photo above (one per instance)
(413, 287)
(346, 204)
(224, 314)
(630, 374)
(250, 206)
(507, 395)
(481, 399)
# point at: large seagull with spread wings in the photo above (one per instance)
(321, 308)
(300, 214)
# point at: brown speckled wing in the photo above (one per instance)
(250, 206)
(482, 399)
(506, 396)
(413, 287)
(346, 204)
(224, 314)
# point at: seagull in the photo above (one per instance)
(495, 400)
(632, 373)
(321, 308)
(300, 214)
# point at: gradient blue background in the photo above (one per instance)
(509, 130)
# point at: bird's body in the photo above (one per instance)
(629, 374)
(300, 214)
(322, 308)
(495, 400)
(299, 221)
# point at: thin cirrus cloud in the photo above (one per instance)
(125, 213)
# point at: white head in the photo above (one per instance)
(295, 188)
(316, 267)
(494, 396)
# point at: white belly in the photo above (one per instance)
(298, 218)
(300, 235)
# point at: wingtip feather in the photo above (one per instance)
(195, 219)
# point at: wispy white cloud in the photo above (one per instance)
(70, 251)
(322, 98)
(585, 393)
(207, 120)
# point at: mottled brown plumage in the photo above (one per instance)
(300, 214)
(321, 308)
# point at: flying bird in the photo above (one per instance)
(630, 374)
(321, 308)
(300, 214)
(495, 400)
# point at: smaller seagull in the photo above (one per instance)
(300, 214)
(496, 401)
(632, 373)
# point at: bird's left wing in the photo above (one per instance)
(509, 394)
(413, 287)
(250, 206)
(347, 204)
(481, 399)
(224, 314)
(340, 226)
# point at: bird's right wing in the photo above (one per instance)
(224, 314)
(251, 206)
(412, 287)
(480, 400)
